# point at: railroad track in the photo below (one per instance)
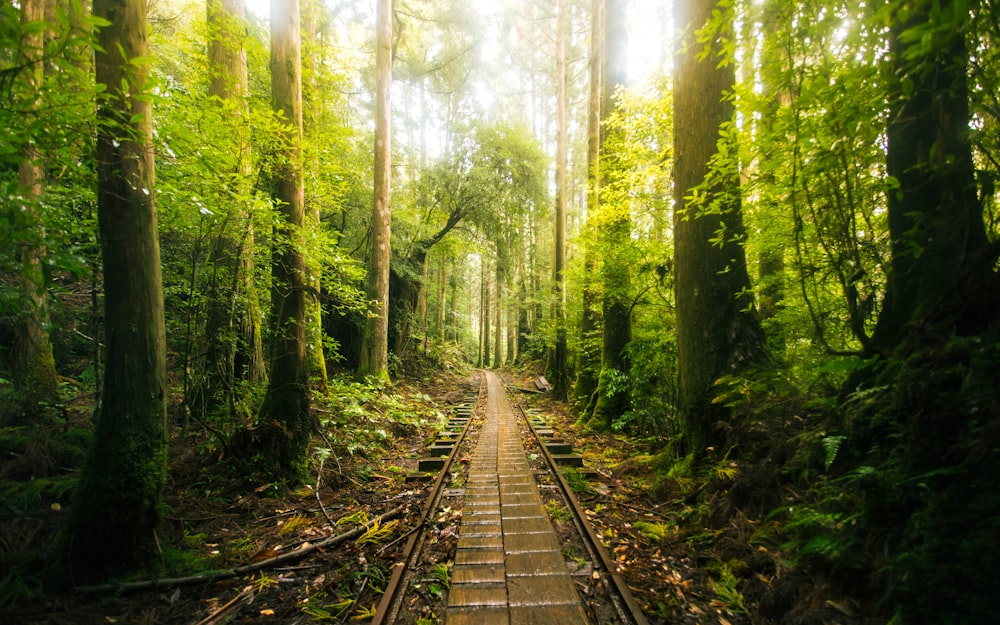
(502, 536)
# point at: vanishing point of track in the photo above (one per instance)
(509, 565)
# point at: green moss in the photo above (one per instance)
(75, 443)
(115, 512)
(35, 383)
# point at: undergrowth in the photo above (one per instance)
(358, 425)
(882, 502)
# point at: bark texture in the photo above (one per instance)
(375, 349)
(117, 503)
(285, 419)
(312, 24)
(560, 364)
(718, 330)
(32, 363)
(588, 358)
(941, 265)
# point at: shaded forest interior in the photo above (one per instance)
(249, 254)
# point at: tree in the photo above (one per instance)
(285, 416)
(232, 328)
(32, 361)
(718, 331)
(941, 262)
(587, 362)
(315, 353)
(116, 507)
(615, 231)
(374, 351)
(559, 367)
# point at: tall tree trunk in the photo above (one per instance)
(441, 299)
(612, 396)
(374, 353)
(422, 297)
(498, 334)
(512, 325)
(32, 363)
(485, 318)
(232, 328)
(285, 419)
(523, 315)
(116, 507)
(941, 262)
(718, 330)
(771, 259)
(453, 302)
(588, 358)
(559, 370)
(315, 353)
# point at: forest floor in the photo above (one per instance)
(683, 566)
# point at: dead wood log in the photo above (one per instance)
(253, 567)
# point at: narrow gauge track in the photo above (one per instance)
(500, 574)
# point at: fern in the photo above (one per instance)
(293, 525)
(831, 445)
(727, 590)
(655, 531)
(440, 573)
(377, 532)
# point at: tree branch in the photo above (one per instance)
(214, 576)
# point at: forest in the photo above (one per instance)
(248, 251)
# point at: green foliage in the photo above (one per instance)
(24, 496)
(576, 480)
(319, 609)
(918, 444)
(441, 572)
(654, 530)
(377, 533)
(725, 585)
(557, 512)
(824, 191)
(361, 418)
(652, 386)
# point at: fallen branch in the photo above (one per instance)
(231, 609)
(214, 576)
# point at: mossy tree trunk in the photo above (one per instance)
(312, 24)
(375, 349)
(441, 297)
(616, 226)
(453, 302)
(484, 318)
(32, 363)
(498, 306)
(285, 418)
(718, 330)
(116, 507)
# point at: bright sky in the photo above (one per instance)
(646, 32)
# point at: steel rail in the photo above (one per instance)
(388, 607)
(629, 610)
